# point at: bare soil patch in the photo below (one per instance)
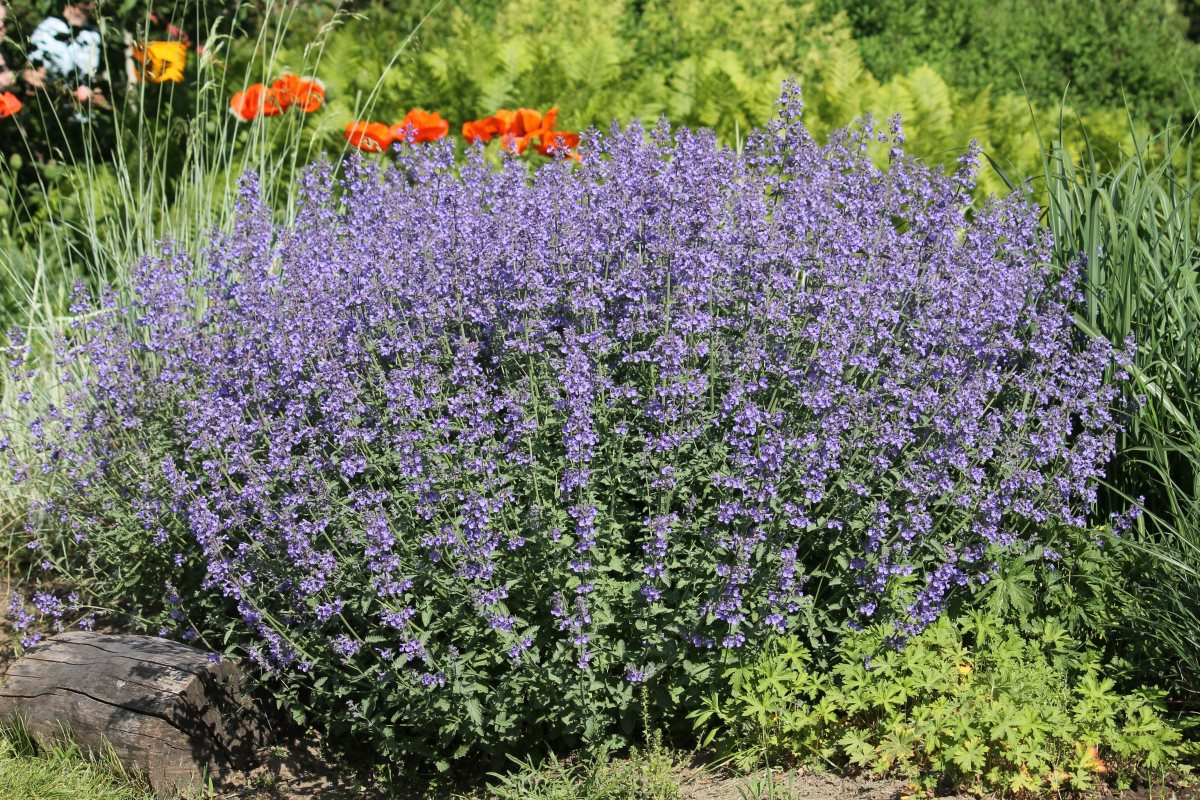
(283, 778)
(802, 786)
(286, 779)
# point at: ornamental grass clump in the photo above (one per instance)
(463, 455)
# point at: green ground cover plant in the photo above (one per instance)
(648, 774)
(971, 704)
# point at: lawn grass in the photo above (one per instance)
(62, 772)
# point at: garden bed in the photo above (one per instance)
(798, 457)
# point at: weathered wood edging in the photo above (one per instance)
(168, 710)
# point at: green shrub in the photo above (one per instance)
(971, 703)
(1108, 53)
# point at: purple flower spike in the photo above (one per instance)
(460, 441)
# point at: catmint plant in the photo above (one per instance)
(465, 457)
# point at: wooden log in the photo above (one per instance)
(166, 709)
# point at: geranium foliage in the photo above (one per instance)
(462, 455)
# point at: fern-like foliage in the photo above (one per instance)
(698, 64)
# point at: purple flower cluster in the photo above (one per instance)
(459, 429)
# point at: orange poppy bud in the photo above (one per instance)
(307, 94)
(163, 61)
(425, 126)
(255, 101)
(9, 104)
(374, 137)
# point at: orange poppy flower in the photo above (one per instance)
(374, 137)
(307, 94)
(550, 139)
(499, 124)
(255, 101)
(527, 125)
(481, 130)
(529, 121)
(164, 61)
(428, 126)
(518, 128)
(504, 120)
(9, 104)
